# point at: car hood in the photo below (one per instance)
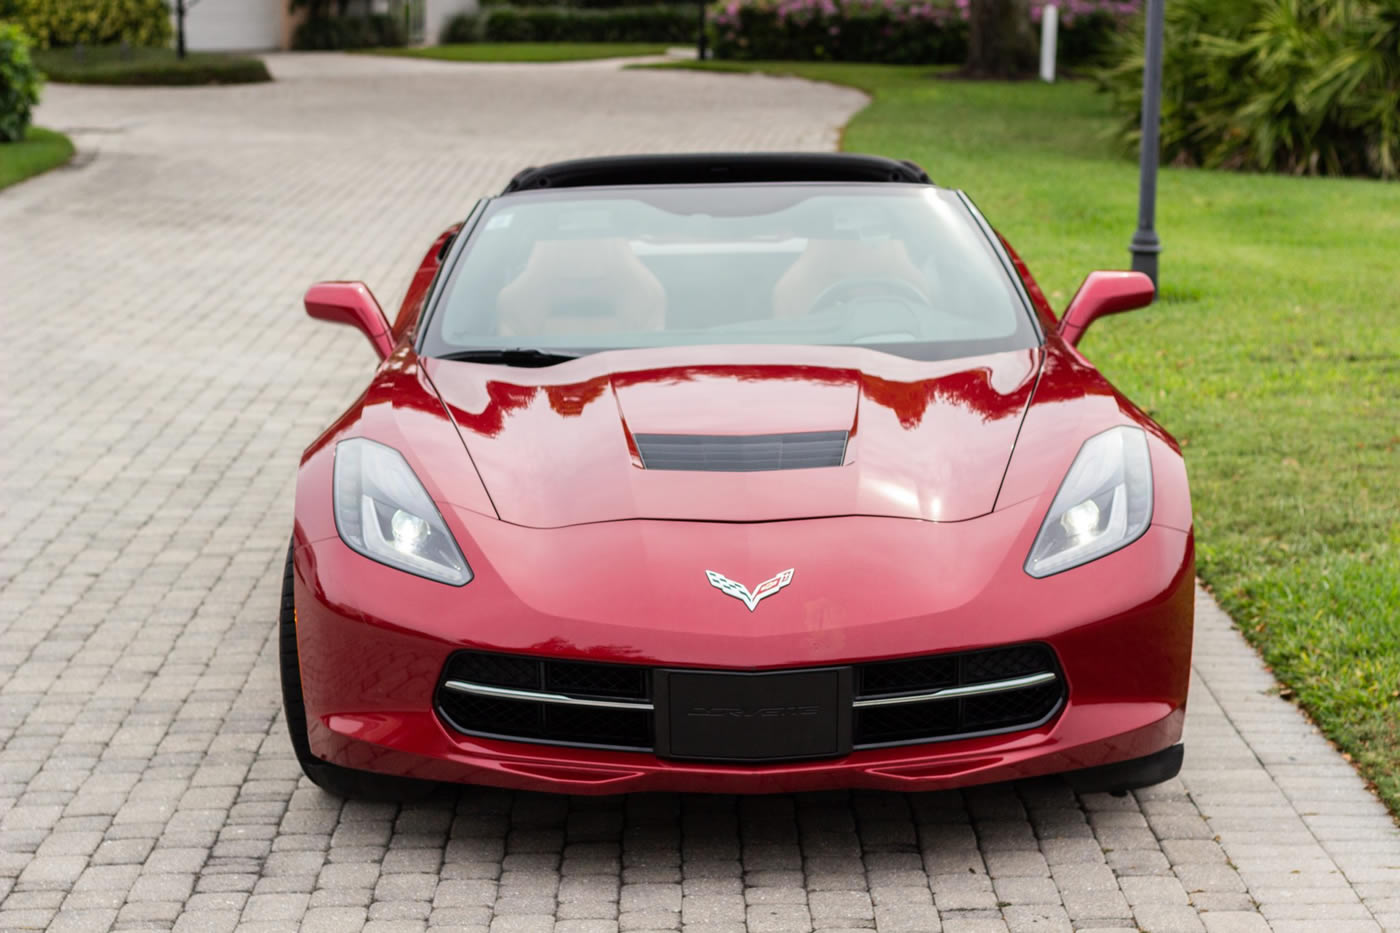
(558, 445)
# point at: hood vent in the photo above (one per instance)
(752, 453)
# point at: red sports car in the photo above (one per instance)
(735, 473)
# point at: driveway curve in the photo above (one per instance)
(159, 383)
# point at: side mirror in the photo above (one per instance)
(1104, 293)
(351, 303)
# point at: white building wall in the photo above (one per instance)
(233, 25)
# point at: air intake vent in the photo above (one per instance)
(723, 454)
(933, 698)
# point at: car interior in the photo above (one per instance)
(823, 269)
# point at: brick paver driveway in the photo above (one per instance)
(160, 381)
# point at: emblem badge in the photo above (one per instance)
(736, 589)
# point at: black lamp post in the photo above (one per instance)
(1146, 245)
(179, 28)
(701, 39)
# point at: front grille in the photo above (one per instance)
(500, 670)
(963, 712)
(887, 677)
(741, 454)
(523, 718)
(1002, 663)
(1010, 709)
(924, 699)
(597, 680)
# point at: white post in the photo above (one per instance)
(1049, 35)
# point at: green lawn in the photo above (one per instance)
(110, 64)
(1274, 357)
(529, 51)
(40, 151)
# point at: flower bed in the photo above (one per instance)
(656, 23)
(891, 31)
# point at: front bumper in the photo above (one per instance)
(373, 641)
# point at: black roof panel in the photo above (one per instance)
(717, 168)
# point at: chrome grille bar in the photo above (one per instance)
(968, 690)
(534, 696)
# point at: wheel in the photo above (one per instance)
(334, 779)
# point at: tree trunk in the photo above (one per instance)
(1000, 42)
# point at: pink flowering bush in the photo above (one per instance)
(1073, 10)
(895, 31)
(890, 31)
(1088, 27)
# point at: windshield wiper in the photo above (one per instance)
(509, 356)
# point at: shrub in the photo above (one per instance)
(19, 84)
(891, 31)
(1088, 29)
(113, 65)
(1301, 86)
(660, 23)
(589, 4)
(464, 27)
(93, 22)
(327, 33)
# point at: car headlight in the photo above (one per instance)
(383, 512)
(1104, 503)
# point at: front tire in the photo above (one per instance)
(334, 779)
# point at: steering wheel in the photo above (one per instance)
(909, 297)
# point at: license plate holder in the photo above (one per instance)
(753, 717)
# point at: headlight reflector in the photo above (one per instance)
(383, 512)
(1104, 503)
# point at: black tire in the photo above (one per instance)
(334, 779)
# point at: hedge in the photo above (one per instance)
(464, 27)
(19, 84)
(660, 23)
(586, 4)
(91, 22)
(892, 31)
(327, 33)
(1089, 29)
(148, 67)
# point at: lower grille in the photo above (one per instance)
(582, 678)
(925, 699)
(569, 702)
(956, 695)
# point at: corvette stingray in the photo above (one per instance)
(741, 474)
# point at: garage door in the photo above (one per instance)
(213, 25)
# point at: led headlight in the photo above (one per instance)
(1104, 503)
(383, 511)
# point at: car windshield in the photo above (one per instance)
(900, 268)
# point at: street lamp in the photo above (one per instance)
(1146, 245)
(182, 8)
(701, 37)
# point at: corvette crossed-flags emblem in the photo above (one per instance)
(751, 599)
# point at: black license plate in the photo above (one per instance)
(777, 716)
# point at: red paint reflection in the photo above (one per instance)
(971, 389)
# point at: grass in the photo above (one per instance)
(1273, 356)
(529, 51)
(39, 151)
(143, 66)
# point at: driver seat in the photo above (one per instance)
(826, 263)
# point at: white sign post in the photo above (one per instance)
(1049, 35)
